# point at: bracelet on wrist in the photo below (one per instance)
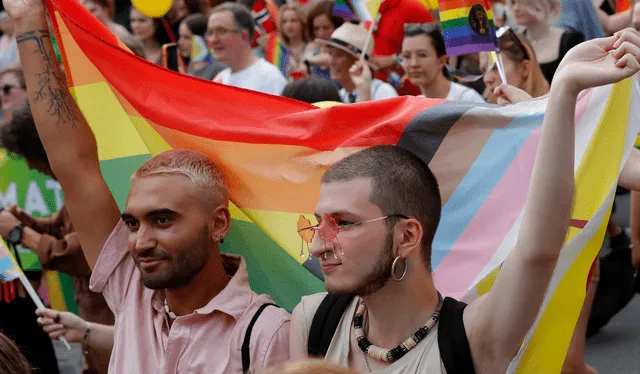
(85, 338)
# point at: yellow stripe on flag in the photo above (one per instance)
(106, 117)
(54, 288)
(448, 15)
(595, 178)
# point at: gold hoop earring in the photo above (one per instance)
(393, 269)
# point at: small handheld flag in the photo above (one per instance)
(277, 53)
(9, 270)
(467, 26)
(367, 11)
(200, 51)
(342, 9)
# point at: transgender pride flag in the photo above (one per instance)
(9, 269)
(275, 151)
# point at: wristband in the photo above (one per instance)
(85, 338)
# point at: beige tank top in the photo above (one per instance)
(424, 358)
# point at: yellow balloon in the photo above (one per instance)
(153, 8)
(327, 104)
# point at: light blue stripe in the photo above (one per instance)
(5, 264)
(485, 173)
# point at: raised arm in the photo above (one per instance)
(518, 292)
(68, 140)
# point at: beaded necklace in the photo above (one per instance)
(402, 349)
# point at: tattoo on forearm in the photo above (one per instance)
(52, 88)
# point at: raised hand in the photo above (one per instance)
(65, 324)
(360, 74)
(18, 9)
(600, 61)
(508, 94)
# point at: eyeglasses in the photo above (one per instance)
(328, 228)
(220, 31)
(508, 35)
(6, 89)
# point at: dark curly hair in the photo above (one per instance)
(19, 136)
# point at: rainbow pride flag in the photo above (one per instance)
(277, 150)
(342, 9)
(622, 5)
(468, 26)
(277, 53)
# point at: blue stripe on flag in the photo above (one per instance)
(500, 150)
(6, 263)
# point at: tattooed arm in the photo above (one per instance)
(66, 136)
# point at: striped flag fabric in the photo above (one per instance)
(277, 54)
(200, 50)
(367, 11)
(9, 269)
(277, 150)
(341, 9)
(468, 26)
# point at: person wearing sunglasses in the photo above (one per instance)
(378, 212)
(424, 59)
(520, 66)
(14, 91)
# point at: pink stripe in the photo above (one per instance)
(460, 267)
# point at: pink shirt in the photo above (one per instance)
(207, 341)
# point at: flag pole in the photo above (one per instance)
(36, 299)
(367, 41)
(498, 60)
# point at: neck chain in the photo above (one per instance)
(171, 314)
(398, 352)
(535, 41)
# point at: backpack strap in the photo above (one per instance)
(246, 358)
(452, 339)
(325, 322)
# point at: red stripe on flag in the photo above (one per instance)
(578, 223)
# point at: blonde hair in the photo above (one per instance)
(535, 84)
(309, 367)
(302, 17)
(547, 11)
(201, 171)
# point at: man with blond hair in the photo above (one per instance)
(181, 305)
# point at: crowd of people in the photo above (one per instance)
(154, 292)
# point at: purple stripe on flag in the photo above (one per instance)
(470, 39)
(471, 48)
(458, 32)
(343, 11)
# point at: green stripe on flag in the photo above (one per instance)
(271, 270)
(117, 173)
(460, 22)
(66, 283)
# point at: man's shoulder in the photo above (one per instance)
(265, 67)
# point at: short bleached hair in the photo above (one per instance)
(204, 174)
(547, 11)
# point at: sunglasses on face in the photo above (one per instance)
(328, 229)
(6, 89)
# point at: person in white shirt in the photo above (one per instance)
(424, 58)
(356, 78)
(229, 33)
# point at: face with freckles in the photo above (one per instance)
(358, 261)
(169, 234)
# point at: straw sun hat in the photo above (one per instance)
(350, 37)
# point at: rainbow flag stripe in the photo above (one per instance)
(277, 150)
(342, 9)
(468, 26)
(9, 269)
(277, 53)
